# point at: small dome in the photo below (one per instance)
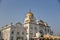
(46, 24)
(18, 23)
(40, 21)
(29, 14)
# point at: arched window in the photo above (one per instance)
(35, 28)
(11, 38)
(12, 32)
(41, 31)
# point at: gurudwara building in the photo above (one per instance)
(31, 29)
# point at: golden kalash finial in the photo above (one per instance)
(29, 13)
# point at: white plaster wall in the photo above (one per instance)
(6, 34)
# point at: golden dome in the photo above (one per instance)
(29, 14)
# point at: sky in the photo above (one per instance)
(46, 10)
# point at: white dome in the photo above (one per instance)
(39, 21)
(46, 24)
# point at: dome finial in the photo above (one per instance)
(29, 13)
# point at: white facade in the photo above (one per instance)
(13, 32)
(31, 28)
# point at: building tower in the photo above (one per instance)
(29, 24)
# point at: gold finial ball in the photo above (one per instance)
(30, 14)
